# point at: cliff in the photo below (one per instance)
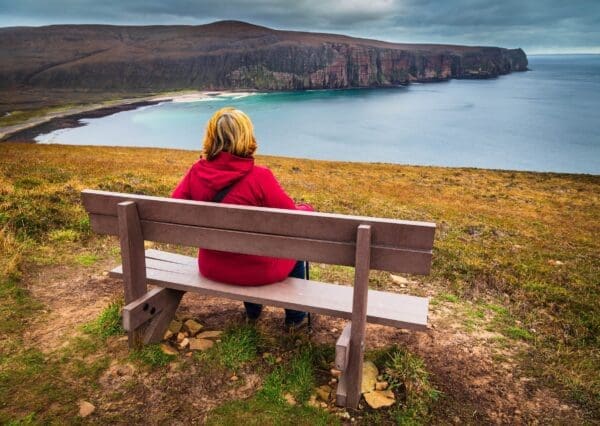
(228, 55)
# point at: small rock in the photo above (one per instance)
(200, 344)
(334, 330)
(186, 334)
(343, 415)
(234, 378)
(278, 359)
(335, 372)
(378, 399)
(168, 335)
(192, 327)
(369, 378)
(184, 343)
(381, 386)
(555, 262)
(323, 404)
(180, 337)
(168, 349)
(86, 408)
(267, 355)
(213, 335)
(333, 381)
(397, 279)
(313, 401)
(289, 398)
(323, 392)
(175, 326)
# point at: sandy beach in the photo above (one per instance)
(27, 130)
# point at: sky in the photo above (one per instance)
(537, 26)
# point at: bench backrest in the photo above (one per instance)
(396, 245)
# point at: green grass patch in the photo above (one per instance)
(152, 356)
(408, 377)
(64, 235)
(261, 412)
(447, 297)
(518, 333)
(87, 259)
(239, 345)
(296, 377)
(268, 407)
(108, 323)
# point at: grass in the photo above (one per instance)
(268, 406)
(519, 248)
(152, 356)
(108, 323)
(239, 345)
(407, 377)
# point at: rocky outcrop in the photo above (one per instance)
(228, 55)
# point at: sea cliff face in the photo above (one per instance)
(228, 55)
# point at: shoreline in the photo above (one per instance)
(27, 131)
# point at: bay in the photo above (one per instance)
(543, 120)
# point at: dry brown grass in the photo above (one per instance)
(524, 243)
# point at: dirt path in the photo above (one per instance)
(464, 365)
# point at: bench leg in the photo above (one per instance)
(341, 363)
(356, 346)
(134, 260)
(149, 316)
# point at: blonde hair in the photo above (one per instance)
(229, 130)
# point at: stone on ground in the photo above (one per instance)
(213, 335)
(323, 392)
(381, 386)
(378, 399)
(200, 344)
(175, 326)
(168, 334)
(192, 327)
(335, 372)
(184, 343)
(289, 398)
(369, 378)
(168, 349)
(86, 408)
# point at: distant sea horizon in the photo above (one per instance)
(542, 120)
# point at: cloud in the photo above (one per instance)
(535, 25)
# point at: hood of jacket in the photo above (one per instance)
(221, 171)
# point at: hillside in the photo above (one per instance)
(514, 309)
(223, 55)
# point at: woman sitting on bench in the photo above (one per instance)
(226, 173)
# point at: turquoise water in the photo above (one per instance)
(543, 120)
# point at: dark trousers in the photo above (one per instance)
(253, 310)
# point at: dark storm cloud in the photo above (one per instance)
(543, 25)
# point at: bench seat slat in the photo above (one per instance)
(179, 272)
(339, 253)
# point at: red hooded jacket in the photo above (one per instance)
(254, 186)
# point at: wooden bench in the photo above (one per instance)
(363, 242)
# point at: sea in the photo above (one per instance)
(546, 119)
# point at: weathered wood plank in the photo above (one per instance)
(341, 393)
(396, 310)
(144, 308)
(353, 371)
(341, 348)
(331, 252)
(159, 324)
(133, 258)
(290, 223)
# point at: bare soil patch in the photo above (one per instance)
(477, 387)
